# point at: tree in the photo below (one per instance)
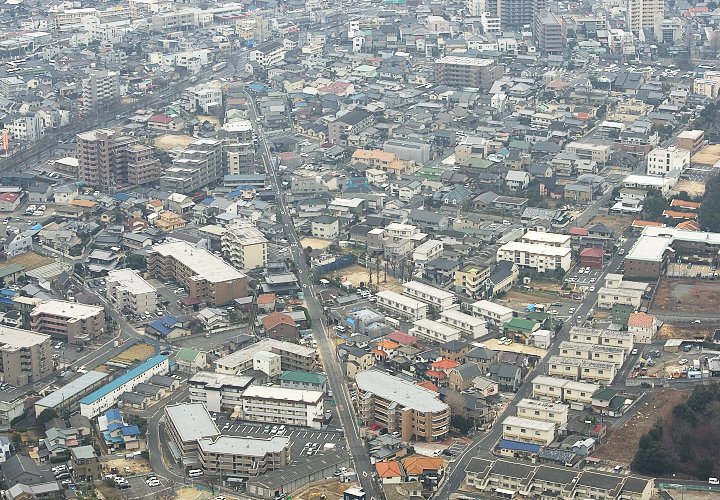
(16, 439)
(456, 402)
(195, 326)
(136, 261)
(46, 415)
(705, 467)
(708, 214)
(654, 205)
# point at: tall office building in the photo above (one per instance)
(102, 158)
(549, 33)
(644, 14)
(460, 71)
(100, 90)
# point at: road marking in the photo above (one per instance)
(364, 473)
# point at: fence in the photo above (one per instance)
(339, 263)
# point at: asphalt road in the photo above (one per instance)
(326, 348)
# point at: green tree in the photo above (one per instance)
(654, 205)
(705, 467)
(195, 326)
(136, 261)
(16, 439)
(46, 415)
(708, 213)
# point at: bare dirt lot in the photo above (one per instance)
(621, 444)
(356, 274)
(684, 331)
(693, 188)
(170, 141)
(518, 300)
(708, 156)
(686, 295)
(30, 260)
(315, 243)
(134, 354)
(618, 223)
(331, 488)
(137, 466)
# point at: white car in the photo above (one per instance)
(634, 352)
(683, 361)
(592, 288)
(153, 484)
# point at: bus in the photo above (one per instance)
(219, 66)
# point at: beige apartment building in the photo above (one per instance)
(582, 369)
(245, 246)
(128, 290)
(100, 90)
(280, 405)
(543, 410)
(142, 166)
(577, 394)
(25, 357)
(529, 430)
(401, 406)
(206, 276)
(103, 158)
(70, 322)
(605, 353)
(245, 456)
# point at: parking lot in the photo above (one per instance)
(682, 270)
(303, 441)
(583, 276)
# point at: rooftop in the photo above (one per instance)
(245, 446)
(123, 379)
(192, 421)
(72, 388)
(406, 393)
(129, 280)
(201, 262)
(283, 394)
(12, 339)
(71, 310)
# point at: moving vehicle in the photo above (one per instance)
(195, 473)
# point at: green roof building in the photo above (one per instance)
(295, 379)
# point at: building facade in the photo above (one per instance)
(25, 357)
(69, 322)
(128, 290)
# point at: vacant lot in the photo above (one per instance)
(708, 156)
(519, 299)
(621, 444)
(684, 331)
(134, 354)
(169, 141)
(618, 223)
(31, 260)
(315, 243)
(356, 274)
(330, 488)
(693, 188)
(686, 296)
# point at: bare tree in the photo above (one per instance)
(386, 269)
(456, 402)
(377, 270)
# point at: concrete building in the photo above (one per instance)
(547, 238)
(402, 306)
(206, 276)
(239, 147)
(142, 166)
(581, 369)
(186, 424)
(496, 314)
(461, 71)
(605, 353)
(611, 338)
(409, 150)
(529, 430)
(245, 246)
(348, 124)
(434, 331)
(472, 280)
(577, 394)
(69, 395)
(438, 298)
(292, 357)
(597, 152)
(644, 14)
(200, 164)
(279, 405)
(217, 391)
(107, 396)
(401, 406)
(543, 410)
(549, 33)
(236, 456)
(690, 140)
(12, 406)
(470, 326)
(70, 322)
(660, 161)
(100, 91)
(540, 257)
(25, 357)
(268, 54)
(127, 290)
(102, 156)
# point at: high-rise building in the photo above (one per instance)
(100, 90)
(200, 164)
(515, 14)
(142, 166)
(239, 147)
(549, 33)
(245, 246)
(461, 71)
(644, 14)
(25, 357)
(102, 157)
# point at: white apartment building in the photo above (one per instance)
(280, 405)
(576, 394)
(590, 151)
(543, 410)
(644, 14)
(436, 297)
(126, 289)
(268, 54)
(660, 161)
(605, 353)
(497, 314)
(603, 337)
(582, 369)
(434, 331)
(217, 391)
(203, 97)
(427, 251)
(547, 238)
(268, 363)
(528, 430)
(404, 307)
(471, 326)
(536, 256)
(200, 164)
(100, 90)
(245, 246)
(608, 297)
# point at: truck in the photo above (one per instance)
(219, 66)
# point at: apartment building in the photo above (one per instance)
(546, 411)
(218, 391)
(577, 394)
(292, 357)
(352, 123)
(245, 246)
(68, 396)
(268, 54)
(605, 353)
(472, 280)
(127, 290)
(494, 313)
(660, 161)
(203, 98)
(690, 140)
(100, 90)
(206, 276)
(549, 33)
(280, 405)
(401, 406)
(186, 424)
(612, 338)
(529, 430)
(582, 369)
(228, 456)
(70, 322)
(381, 160)
(540, 257)
(547, 238)
(426, 251)
(200, 164)
(435, 297)
(462, 71)
(142, 166)
(590, 151)
(644, 14)
(239, 147)
(25, 357)
(512, 479)
(102, 156)
(471, 326)
(401, 306)
(434, 331)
